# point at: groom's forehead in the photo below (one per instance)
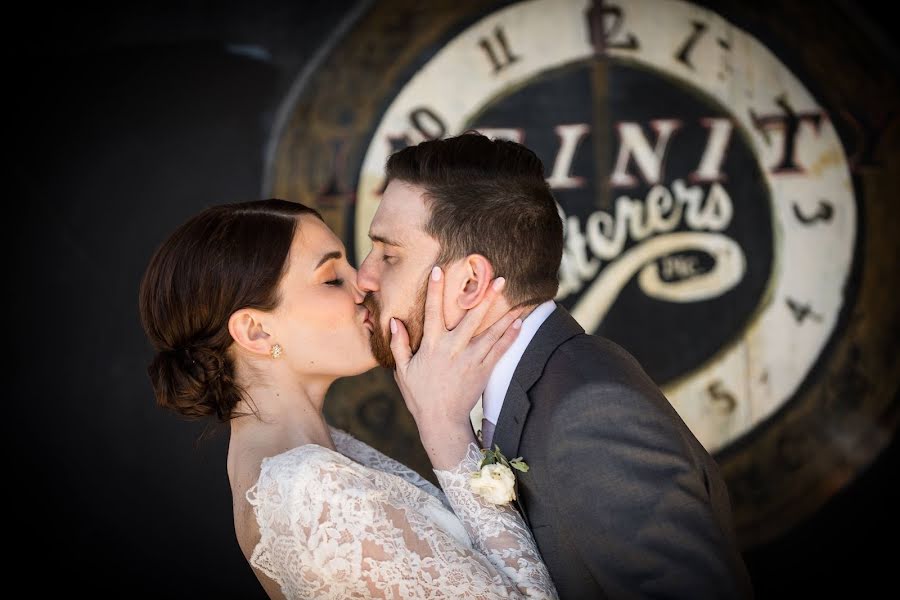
(401, 215)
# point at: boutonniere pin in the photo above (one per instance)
(495, 481)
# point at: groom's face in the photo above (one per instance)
(395, 273)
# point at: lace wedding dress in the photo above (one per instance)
(358, 524)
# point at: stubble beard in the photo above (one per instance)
(381, 338)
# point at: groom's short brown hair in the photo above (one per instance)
(489, 197)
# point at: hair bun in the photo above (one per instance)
(203, 363)
(194, 381)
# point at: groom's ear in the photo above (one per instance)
(478, 273)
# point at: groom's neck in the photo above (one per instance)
(499, 310)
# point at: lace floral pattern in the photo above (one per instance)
(331, 527)
(368, 456)
(497, 531)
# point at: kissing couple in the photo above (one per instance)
(578, 478)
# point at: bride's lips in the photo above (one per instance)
(368, 323)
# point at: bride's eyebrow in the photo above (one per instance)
(330, 256)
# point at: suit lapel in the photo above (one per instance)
(515, 408)
(559, 327)
(508, 430)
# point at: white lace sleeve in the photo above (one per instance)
(330, 528)
(497, 531)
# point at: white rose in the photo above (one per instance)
(495, 483)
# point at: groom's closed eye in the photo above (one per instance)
(380, 242)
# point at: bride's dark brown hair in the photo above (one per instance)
(226, 258)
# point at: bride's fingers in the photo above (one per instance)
(400, 344)
(488, 339)
(471, 322)
(504, 343)
(434, 306)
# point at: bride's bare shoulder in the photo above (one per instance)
(243, 472)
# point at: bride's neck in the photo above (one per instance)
(284, 407)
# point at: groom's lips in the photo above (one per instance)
(367, 322)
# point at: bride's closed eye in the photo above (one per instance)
(335, 282)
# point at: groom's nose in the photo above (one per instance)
(367, 276)
(358, 294)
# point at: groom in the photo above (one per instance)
(622, 499)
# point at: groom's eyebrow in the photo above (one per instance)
(327, 257)
(380, 238)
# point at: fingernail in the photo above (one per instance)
(517, 324)
(499, 283)
(393, 325)
(436, 274)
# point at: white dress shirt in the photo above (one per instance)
(491, 401)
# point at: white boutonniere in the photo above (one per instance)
(495, 481)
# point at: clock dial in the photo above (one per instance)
(710, 137)
(712, 210)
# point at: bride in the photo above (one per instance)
(254, 312)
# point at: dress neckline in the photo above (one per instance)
(340, 438)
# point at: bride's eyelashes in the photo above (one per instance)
(335, 282)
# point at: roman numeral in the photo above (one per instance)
(498, 51)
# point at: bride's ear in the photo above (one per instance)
(478, 275)
(247, 330)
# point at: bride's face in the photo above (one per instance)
(321, 324)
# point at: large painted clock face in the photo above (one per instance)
(693, 256)
(712, 218)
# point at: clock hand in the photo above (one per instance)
(600, 105)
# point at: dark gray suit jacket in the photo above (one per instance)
(623, 501)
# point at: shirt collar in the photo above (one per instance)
(498, 384)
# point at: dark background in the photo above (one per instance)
(124, 121)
